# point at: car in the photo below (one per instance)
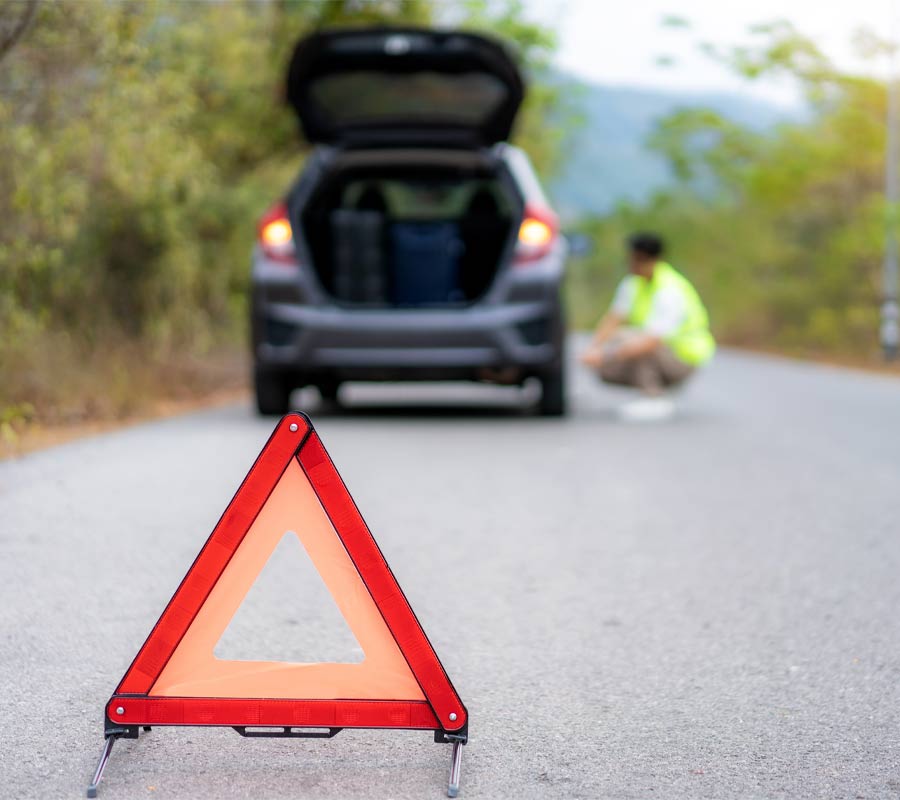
(416, 243)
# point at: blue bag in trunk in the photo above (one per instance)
(425, 260)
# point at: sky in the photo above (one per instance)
(620, 42)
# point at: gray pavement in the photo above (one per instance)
(701, 608)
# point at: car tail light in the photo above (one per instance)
(275, 235)
(537, 234)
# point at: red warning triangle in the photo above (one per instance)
(293, 488)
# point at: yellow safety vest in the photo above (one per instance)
(692, 342)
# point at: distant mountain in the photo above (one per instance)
(608, 159)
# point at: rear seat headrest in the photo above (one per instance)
(371, 199)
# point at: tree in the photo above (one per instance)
(780, 229)
(15, 17)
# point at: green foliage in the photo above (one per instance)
(782, 232)
(139, 143)
(366, 12)
(13, 419)
(675, 21)
(546, 115)
(125, 127)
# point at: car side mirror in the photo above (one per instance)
(580, 244)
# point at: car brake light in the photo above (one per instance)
(534, 233)
(275, 235)
(537, 233)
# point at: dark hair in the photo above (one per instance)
(647, 244)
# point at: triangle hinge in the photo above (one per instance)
(121, 731)
(461, 736)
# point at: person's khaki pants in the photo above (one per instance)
(651, 373)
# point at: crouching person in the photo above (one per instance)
(656, 332)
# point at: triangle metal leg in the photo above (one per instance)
(455, 768)
(101, 765)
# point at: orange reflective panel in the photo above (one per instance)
(194, 671)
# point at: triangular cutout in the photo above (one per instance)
(289, 615)
(177, 679)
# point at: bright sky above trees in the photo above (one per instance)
(621, 43)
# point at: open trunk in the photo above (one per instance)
(404, 84)
(410, 230)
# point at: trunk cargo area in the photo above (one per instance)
(413, 232)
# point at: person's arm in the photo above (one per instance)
(607, 327)
(610, 323)
(605, 330)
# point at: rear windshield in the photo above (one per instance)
(433, 199)
(374, 98)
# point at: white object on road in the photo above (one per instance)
(648, 409)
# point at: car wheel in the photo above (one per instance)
(273, 393)
(553, 394)
(328, 390)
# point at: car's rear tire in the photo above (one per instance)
(328, 390)
(553, 393)
(273, 393)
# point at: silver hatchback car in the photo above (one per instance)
(415, 244)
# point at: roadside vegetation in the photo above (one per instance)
(781, 230)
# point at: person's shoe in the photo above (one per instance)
(648, 409)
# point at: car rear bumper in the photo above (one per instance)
(431, 343)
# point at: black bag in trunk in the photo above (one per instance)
(360, 272)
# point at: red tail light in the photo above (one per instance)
(275, 235)
(537, 234)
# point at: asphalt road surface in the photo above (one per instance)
(703, 608)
